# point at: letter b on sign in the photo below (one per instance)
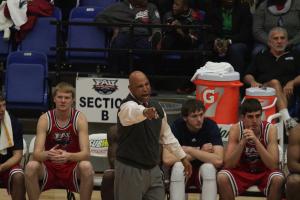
(104, 115)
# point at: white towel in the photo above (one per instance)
(6, 137)
(214, 67)
(18, 10)
(4, 22)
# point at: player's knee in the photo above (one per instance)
(32, 168)
(274, 83)
(18, 179)
(222, 179)
(293, 181)
(177, 173)
(208, 171)
(277, 181)
(86, 168)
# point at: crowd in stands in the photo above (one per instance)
(235, 28)
(237, 31)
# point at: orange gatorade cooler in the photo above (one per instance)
(220, 94)
(267, 98)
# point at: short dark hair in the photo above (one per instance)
(250, 105)
(191, 106)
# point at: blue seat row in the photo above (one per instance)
(26, 80)
(83, 36)
(43, 37)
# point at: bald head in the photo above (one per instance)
(139, 86)
(136, 75)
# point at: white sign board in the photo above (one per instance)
(98, 144)
(100, 98)
(224, 130)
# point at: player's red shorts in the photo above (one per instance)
(60, 176)
(194, 181)
(241, 180)
(6, 176)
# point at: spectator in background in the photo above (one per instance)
(277, 68)
(136, 12)
(272, 13)
(163, 6)
(11, 151)
(230, 36)
(251, 156)
(201, 140)
(181, 38)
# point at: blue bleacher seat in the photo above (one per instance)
(83, 36)
(26, 80)
(98, 3)
(43, 36)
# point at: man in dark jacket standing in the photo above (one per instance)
(143, 128)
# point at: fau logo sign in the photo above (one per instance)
(105, 86)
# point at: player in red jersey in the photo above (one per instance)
(251, 157)
(11, 150)
(61, 150)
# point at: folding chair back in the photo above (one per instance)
(26, 80)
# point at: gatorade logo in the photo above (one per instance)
(208, 96)
(211, 98)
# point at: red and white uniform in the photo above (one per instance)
(61, 175)
(6, 176)
(250, 169)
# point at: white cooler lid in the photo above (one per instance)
(211, 76)
(263, 91)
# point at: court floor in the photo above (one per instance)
(61, 195)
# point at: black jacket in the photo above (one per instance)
(241, 24)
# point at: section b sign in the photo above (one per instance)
(100, 98)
